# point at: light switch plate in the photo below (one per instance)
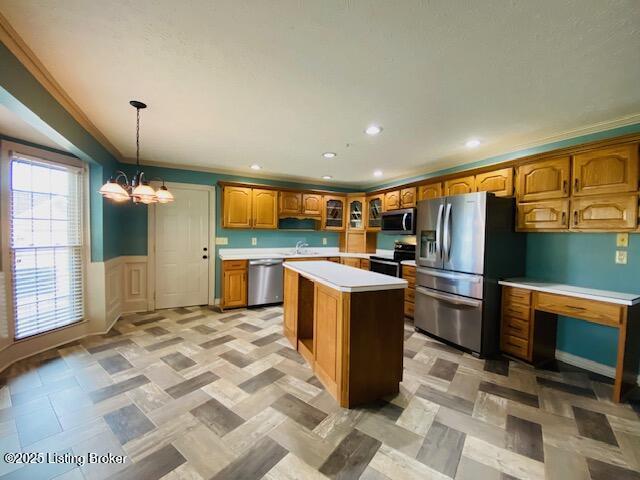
(621, 257)
(324, 241)
(222, 241)
(254, 241)
(622, 240)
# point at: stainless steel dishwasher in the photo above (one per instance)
(265, 281)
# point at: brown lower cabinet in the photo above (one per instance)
(409, 274)
(234, 284)
(352, 341)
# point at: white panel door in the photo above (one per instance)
(182, 263)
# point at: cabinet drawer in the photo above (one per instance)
(411, 281)
(517, 295)
(408, 309)
(518, 311)
(598, 312)
(515, 346)
(408, 271)
(410, 295)
(515, 327)
(235, 264)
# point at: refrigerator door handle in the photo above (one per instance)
(454, 299)
(439, 232)
(447, 233)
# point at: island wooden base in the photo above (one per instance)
(353, 341)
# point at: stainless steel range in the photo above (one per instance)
(466, 243)
(391, 265)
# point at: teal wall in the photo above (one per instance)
(133, 218)
(21, 93)
(586, 260)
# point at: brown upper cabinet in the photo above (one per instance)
(460, 185)
(356, 213)
(608, 212)
(264, 208)
(499, 182)
(374, 212)
(333, 216)
(543, 179)
(290, 203)
(606, 170)
(312, 204)
(429, 191)
(236, 207)
(298, 204)
(545, 215)
(408, 197)
(392, 200)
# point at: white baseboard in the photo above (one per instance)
(587, 364)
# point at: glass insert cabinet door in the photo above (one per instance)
(356, 220)
(374, 218)
(334, 213)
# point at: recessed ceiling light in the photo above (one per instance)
(327, 177)
(329, 154)
(377, 173)
(256, 167)
(373, 130)
(473, 143)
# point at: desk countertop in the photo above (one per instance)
(344, 278)
(573, 291)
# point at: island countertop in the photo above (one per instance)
(344, 278)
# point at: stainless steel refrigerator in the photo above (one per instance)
(465, 245)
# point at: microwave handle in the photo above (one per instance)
(404, 221)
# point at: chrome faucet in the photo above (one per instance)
(299, 246)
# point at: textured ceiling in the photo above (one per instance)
(232, 83)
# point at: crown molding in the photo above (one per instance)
(17, 46)
(518, 151)
(245, 173)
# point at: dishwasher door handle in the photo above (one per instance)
(264, 263)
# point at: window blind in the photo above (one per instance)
(46, 244)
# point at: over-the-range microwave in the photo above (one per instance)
(399, 222)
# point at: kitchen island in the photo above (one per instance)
(348, 324)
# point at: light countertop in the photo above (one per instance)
(345, 279)
(309, 252)
(573, 291)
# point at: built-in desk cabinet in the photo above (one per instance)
(609, 170)
(605, 212)
(543, 179)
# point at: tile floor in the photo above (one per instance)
(197, 394)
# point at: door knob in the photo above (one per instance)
(204, 256)
(204, 249)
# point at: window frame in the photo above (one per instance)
(46, 156)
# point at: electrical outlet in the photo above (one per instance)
(222, 241)
(622, 240)
(324, 241)
(621, 257)
(254, 241)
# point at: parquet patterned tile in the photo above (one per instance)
(200, 394)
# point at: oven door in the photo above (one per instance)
(451, 317)
(386, 267)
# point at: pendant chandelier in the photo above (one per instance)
(119, 189)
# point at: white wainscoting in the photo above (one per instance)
(125, 286)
